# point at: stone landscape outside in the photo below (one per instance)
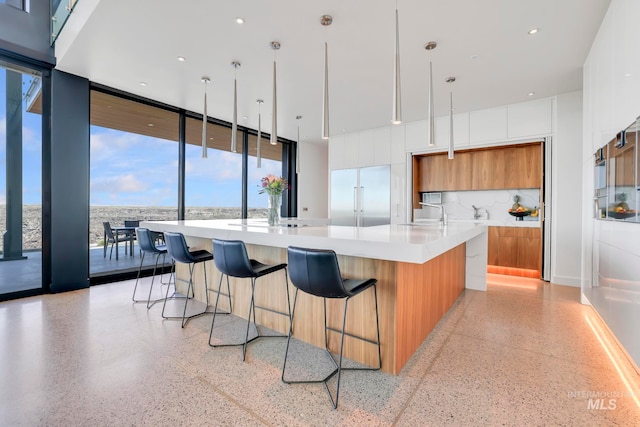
(116, 215)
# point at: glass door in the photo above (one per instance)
(20, 180)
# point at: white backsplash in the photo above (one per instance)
(492, 204)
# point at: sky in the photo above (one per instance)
(136, 170)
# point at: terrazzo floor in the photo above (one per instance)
(523, 353)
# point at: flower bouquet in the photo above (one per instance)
(274, 187)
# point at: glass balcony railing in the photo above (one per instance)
(61, 10)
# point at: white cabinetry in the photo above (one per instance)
(529, 118)
(366, 152)
(460, 131)
(382, 146)
(416, 136)
(366, 148)
(398, 193)
(488, 125)
(397, 144)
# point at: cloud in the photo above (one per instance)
(107, 144)
(219, 166)
(118, 184)
(3, 198)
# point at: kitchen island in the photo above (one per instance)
(421, 270)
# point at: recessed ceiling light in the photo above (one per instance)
(239, 20)
(211, 138)
(531, 93)
(533, 31)
(181, 58)
(150, 125)
(143, 83)
(244, 117)
(628, 75)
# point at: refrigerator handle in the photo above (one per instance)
(362, 200)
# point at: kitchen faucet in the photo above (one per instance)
(476, 212)
(443, 214)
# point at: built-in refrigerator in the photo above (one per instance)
(361, 197)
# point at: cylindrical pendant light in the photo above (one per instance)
(234, 126)
(325, 20)
(205, 80)
(298, 146)
(450, 153)
(397, 105)
(259, 143)
(430, 112)
(274, 116)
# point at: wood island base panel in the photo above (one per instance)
(412, 297)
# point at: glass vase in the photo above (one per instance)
(273, 211)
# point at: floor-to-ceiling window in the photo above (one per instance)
(135, 173)
(213, 185)
(20, 179)
(133, 176)
(270, 164)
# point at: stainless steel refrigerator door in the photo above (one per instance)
(375, 195)
(344, 193)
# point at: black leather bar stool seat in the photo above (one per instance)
(232, 260)
(316, 272)
(178, 250)
(147, 246)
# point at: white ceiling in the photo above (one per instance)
(120, 43)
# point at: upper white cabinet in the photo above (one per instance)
(343, 151)
(488, 125)
(529, 118)
(460, 130)
(416, 136)
(382, 146)
(361, 149)
(366, 148)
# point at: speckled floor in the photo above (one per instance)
(522, 353)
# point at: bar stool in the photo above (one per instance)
(316, 272)
(232, 260)
(178, 250)
(147, 246)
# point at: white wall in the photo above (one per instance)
(566, 196)
(313, 181)
(611, 92)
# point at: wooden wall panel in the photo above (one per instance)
(425, 293)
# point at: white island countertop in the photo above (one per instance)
(397, 242)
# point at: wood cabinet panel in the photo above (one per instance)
(515, 247)
(458, 172)
(523, 166)
(439, 173)
(493, 246)
(488, 170)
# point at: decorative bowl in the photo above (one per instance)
(520, 215)
(621, 215)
